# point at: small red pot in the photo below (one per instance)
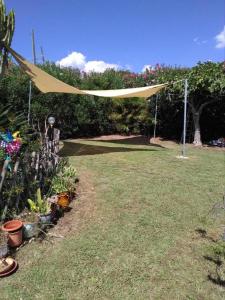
(13, 225)
(15, 238)
(14, 229)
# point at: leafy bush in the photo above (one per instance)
(78, 115)
(65, 180)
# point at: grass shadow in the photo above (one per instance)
(216, 261)
(79, 149)
(216, 280)
(203, 234)
(216, 277)
(134, 140)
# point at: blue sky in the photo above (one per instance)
(125, 33)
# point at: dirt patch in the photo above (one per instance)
(141, 140)
(115, 137)
(213, 148)
(138, 140)
(173, 144)
(163, 142)
(83, 208)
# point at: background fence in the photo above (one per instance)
(21, 176)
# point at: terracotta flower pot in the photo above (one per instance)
(14, 229)
(63, 200)
(13, 225)
(15, 238)
(6, 265)
(11, 267)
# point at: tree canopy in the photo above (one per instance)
(89, 115)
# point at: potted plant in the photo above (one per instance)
(14, 230)
(42, 207)
(7, 266)
(3, 245)
(57, 211)
(30, 224)
(71, 178)
(64, 185)
(59, 187)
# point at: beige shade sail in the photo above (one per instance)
(49, 84)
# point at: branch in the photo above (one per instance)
(206, 103)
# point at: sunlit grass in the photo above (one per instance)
(141, 242)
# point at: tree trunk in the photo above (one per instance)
(196, 118)
(197, 135)
(3, 63)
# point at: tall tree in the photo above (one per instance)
(7, 27)
(206, 86)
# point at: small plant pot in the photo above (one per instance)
(4, 250)
(30, 230)
(46, 219)
(14, 230)
(12, 226)
(15, 238)
(6, 265)
(63, 200)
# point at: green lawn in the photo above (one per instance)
(138, 238)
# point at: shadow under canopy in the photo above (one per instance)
(136, 140)
(79, 149)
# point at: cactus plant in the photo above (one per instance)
(7, 27)
(41, 205)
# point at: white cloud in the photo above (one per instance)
(78, 60)
(147, 67)
(197, 41)
(74, 60)
(98, 66)
(128, 67)
(220, 39)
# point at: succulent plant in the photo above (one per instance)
(40, 205)
(7, 27)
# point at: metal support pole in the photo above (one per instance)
(30, 85)
(42, 55)
(29, 102)
(155, 122)
(185, 117)
(33, 48)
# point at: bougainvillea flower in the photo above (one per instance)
(13, 147)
